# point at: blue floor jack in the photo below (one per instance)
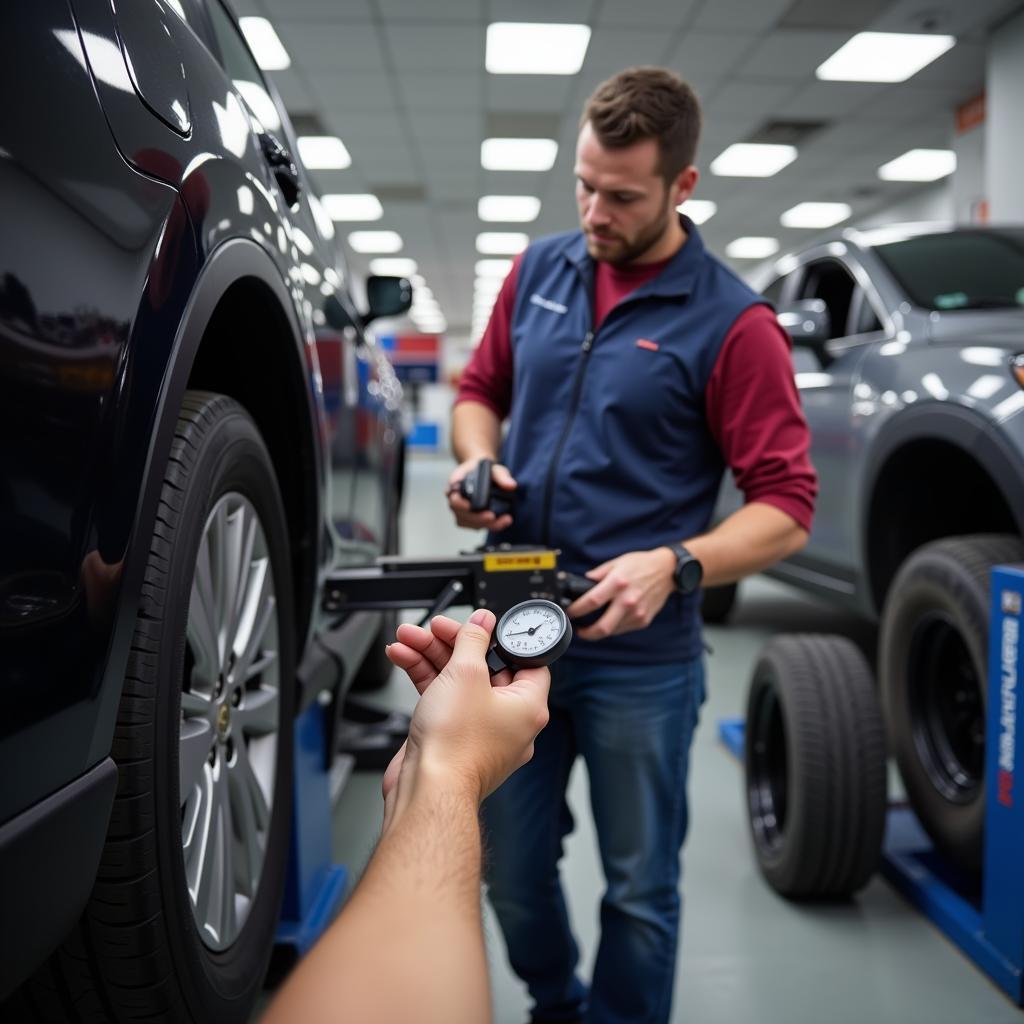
(986, 922)
(494, 578)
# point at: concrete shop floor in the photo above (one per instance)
(746, 955)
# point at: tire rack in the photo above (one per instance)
(987, 926)
(495, 578)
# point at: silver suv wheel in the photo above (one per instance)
(230, 718)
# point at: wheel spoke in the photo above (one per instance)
(215, 888)
(202, 625)
(251, 818)
(193, 749)
(258, 713)
(258, 667)
(263, 616)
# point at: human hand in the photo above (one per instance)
(459, 505)
(635, 587)
(472, 729)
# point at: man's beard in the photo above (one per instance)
(631, 252)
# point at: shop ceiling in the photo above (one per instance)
(403, 83)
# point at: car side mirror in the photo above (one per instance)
(386, 296)
(808, 323)
(336, 315)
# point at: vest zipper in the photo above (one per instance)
(577, 389)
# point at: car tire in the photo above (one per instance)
(932, 669)
(815, 767)
(717, 603)
(145, 948)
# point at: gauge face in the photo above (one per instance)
(532, 629)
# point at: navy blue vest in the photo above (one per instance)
(607, 438)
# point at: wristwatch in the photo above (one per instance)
(688, 571)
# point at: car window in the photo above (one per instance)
(863, 318)
(963, 269)
(831, 282)
(773, 292)
(242, 69)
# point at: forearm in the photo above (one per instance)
(751, 539)
(476, 432)
(409, 944)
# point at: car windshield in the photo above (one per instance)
(967, 269)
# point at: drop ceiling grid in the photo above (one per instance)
(403, 83)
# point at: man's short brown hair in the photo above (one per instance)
(647, 103)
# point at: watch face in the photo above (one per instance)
(532, 629)
(689, 575)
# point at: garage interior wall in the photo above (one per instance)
(1004, 147)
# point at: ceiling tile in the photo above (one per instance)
(434, 10)
(434, 48)
(440, 91)
(571, 12)
(320, 10)
(642, 13)
(354, 91)
(717, 53)
(332, 45)
(527, 92)
(753, 15)
(791, 54)
(294, 93)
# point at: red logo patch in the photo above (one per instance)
(651, 346)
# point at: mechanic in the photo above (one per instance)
(409, 944)
(632, 367)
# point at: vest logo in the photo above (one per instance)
(548, 304)
(651, 346)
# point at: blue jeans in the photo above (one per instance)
(633, 725)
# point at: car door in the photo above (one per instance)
(827, 391)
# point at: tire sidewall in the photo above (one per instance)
(220, 985)
(928, 584)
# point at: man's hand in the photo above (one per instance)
(464, 516)
(466, 725)
(635, 587)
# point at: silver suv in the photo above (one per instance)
(908, 347)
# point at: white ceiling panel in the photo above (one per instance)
(756, 100)
(403, 83)
(535, 93)
(750, 15)
(571, 12)
(431, 10)
(322, 10)
(435, 48)
(291, 84)
(440, 91)
(336, 46)
(666, 14)
(717, 53)
(791, 54)
(354, 91)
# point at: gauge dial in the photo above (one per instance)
(532, 633)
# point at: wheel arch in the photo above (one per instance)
(239, 278)
(934, 472)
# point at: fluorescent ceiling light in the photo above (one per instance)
(487, 285)
(525, 48)
(919, 165)
(752, 247)
(265, 44)
(698, 210)
(815, 215)
(323, 222)
(323, 152)
(375, 241)
(352, 206)
(393, 266)
(501, 243)
(752, 160)
(493, 268)
(518, 154)
(508, 208)
(883, 57)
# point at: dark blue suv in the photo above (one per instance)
(194, 429)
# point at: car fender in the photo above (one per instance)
(229, 263)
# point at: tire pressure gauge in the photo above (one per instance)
(529, 635)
